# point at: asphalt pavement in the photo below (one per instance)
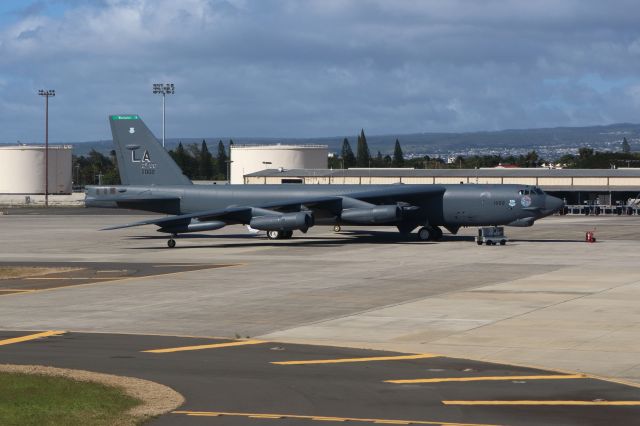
(247, 382)
(71, 274)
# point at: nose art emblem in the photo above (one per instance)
(525, 201)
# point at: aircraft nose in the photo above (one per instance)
(552, 204)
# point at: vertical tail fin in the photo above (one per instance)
(141, 159)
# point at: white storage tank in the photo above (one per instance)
(22, 169)
(247, 159)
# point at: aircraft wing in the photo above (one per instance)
(231, 214)
(334, 204)
(202, 216)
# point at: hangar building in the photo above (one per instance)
(22, 169)
(246, 159)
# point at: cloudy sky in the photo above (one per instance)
(285, 68)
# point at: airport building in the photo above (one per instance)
(576, 186)
(22, 169)
(247, 159)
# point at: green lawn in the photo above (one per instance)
(47, 400)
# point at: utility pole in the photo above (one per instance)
(46, 94)
(163, 89)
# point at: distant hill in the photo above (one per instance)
(550, 142)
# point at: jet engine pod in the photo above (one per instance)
(193, 226)
(377, 214)
(285, 222)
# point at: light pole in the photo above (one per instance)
(163, 89)
(46, 94)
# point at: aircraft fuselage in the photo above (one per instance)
(459, 205)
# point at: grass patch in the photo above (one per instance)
(27, 399)
(9, 272)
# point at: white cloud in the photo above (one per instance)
(291, 68)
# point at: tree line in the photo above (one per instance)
(586, 158)
(363, 158)
(198, 163)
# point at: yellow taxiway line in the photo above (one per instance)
(320, 418)
(31, 337)
(489, 378)
(346, 360)
(209, 346)
(550, 402)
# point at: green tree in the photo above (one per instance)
(584, 153)
(378, 161)
(363, 157)
(180, 156)
(398, 156)
(348, 159)
(95, 168)
(221, 160)
(530, 159)
(205, 163)
(626, 148)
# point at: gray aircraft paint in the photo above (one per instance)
(152, 181)
(139, 161)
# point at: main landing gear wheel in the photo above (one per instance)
(171, 243)
(279, 235)
(437, 233)
(424, 233)
(274, 235)
(337, 228)
(429, 233)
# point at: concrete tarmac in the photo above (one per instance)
(547, 298)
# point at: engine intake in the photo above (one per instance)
(285, 222)
(377, 214)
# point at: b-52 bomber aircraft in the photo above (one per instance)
(152, 181)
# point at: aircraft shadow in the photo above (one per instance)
(544, 240)
(341, 239)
